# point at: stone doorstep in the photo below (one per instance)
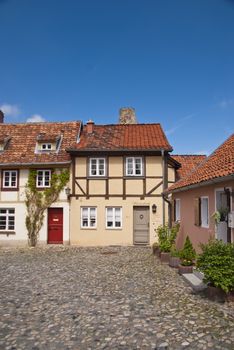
(194, 281)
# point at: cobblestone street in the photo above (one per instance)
(103, 298)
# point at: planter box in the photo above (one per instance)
(165, 257)
(217, 294)
(174, 261)
(185, 269)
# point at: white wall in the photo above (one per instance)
(15, 199)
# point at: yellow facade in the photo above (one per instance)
(115, 190)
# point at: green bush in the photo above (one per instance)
(167, 237)
(174, 252)
(188, 253)
(217, 264)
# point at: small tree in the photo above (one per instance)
(188, 253)
(217, 263)
(38, 201)
(167, 236)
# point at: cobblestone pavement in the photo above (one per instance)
(88, 298)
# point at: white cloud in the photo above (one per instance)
(181, 122)
(206, 152)
(10, 110)
(226, 103)
(35, 118)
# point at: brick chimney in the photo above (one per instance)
(90, 125)
(127, 116)
(1, 117)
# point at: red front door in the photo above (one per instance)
(55, 225)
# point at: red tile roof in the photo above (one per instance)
(21, 147)
(123, 137)
(188, 163)
(219, 164)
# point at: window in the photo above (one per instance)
(134, 166)
(7, 219)
(43, 178)
(177, 210)
(88, 217)
(113, 217)
(97, 167)
(46, 146)
(204, 212)
(10, 179)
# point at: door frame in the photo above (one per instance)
(61, 208)
(148, 237)
(221, 189)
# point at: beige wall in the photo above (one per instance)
(198, 234)
(134, 187)
(101, 236)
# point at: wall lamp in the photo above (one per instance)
(154, 208)
(68, 192)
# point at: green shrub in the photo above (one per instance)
(174, 252)
(188, 253)
(217, 264)
(167, 237)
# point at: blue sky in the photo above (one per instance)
(171, 60)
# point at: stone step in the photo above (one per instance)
(194, 281)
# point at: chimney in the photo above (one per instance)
(90, 125)
(1, 117)
(127, 116)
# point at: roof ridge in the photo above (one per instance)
(188, 155)
(42, 123)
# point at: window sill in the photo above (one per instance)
(9, 189)
(89, 228)
(7, 233)
(114, 228)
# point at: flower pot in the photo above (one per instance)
(230, 296)
(156, 250)
(185, 269)
(174, 261)
(165, 257)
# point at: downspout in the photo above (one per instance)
(165, 181)
(165, 198)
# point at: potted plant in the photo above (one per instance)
(187, 256)
(217, 264)
(155, 248)
(220, 215)
(166, 237)
(174, 260)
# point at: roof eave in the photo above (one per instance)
(201, 184)
(30, 165)
(122, 150)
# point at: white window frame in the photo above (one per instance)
(204, 221)
(114, 227)
(48, 147)
(89, 226)
(43, 185)
(177, 209)
(10, 178)
(97, 166)
(133, 159)
(7, 215)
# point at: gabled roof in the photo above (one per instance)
(21, 147)
(188, 162)
(123, 137)
(220, 164)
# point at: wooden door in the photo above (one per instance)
(55, 225)
(141, 225)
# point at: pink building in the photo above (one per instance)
(203, 200)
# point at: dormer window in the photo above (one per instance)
(4, 140)
(48, 143)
